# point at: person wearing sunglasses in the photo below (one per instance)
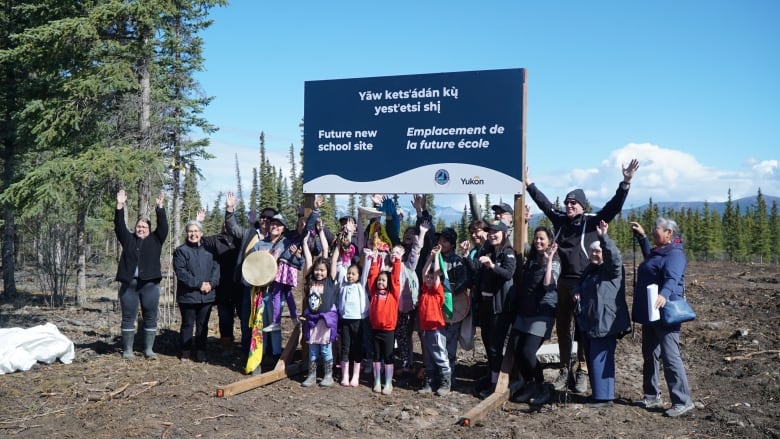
(575, 228)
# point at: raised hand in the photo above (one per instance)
(201, 215)
(417, 203)
(160, 199)
(465, 247)
(318, 201)
(637, 229)
(230, 201)
(601, 228)
(121, 198)
(424, 227)
(628, 171)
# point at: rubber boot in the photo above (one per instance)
(355, 374)
(427, 382)
(388, 389)
(327, 380)
(312, 378)
(344, 373)
(377, 377)
(446, 383)
(127, 344)
(149, 336)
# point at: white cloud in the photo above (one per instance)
(664, 175)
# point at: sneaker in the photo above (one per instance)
(580, 382)
(541, 396)
(185, 355)
(272, 327)
(679, 409)
(561, 380)
(649, 402)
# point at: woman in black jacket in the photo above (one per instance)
(197, 276)
(495, 295)
(537, 304)
(139, 273)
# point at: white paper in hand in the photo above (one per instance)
(652, 295)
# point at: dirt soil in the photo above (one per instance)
(730, 353)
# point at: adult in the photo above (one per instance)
(459, 276)
(252, 239)
(503, 212)
(573, 229)
(197, 277)
(139, 273)
(603, 316)
(228, 300)
(537, 301)
(664, 265)
(495, 297)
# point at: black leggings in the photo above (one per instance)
(383, 346)
(525, 347)
(351, 337)
(494, 328)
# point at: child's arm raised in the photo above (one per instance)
(306, 257)
(334, 261)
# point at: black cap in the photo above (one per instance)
(449, 234)
(577, 195)
(502, 207)
(497, 226)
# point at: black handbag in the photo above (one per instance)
(675, 312)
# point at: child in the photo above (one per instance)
(432, 326)
(319, 314)
(352, 304)
(383, 314)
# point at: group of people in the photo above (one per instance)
(364, 288)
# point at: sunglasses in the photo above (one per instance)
(569, 202)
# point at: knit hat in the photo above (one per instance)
(279, 218)
(577, 195)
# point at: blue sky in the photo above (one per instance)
(689, 88)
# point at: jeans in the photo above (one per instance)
(320, 350)
(661, 342)
(435, 353)
(197, 315)
(145, 293)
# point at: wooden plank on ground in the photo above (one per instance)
(504, 389)
(284, 368)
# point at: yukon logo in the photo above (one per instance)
(475, 180)
(442, 177)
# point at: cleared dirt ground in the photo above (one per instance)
(730, 352)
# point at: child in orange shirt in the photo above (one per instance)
(385, 289)
(431, 317)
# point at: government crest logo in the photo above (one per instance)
(442, 177)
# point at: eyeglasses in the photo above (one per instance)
(570, 203)
(141, 226)
(193, 231)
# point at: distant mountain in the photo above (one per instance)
(720, 207)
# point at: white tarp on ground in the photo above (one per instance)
(21, 348)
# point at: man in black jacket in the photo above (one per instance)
(574, 230)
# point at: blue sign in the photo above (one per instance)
(436, 133)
